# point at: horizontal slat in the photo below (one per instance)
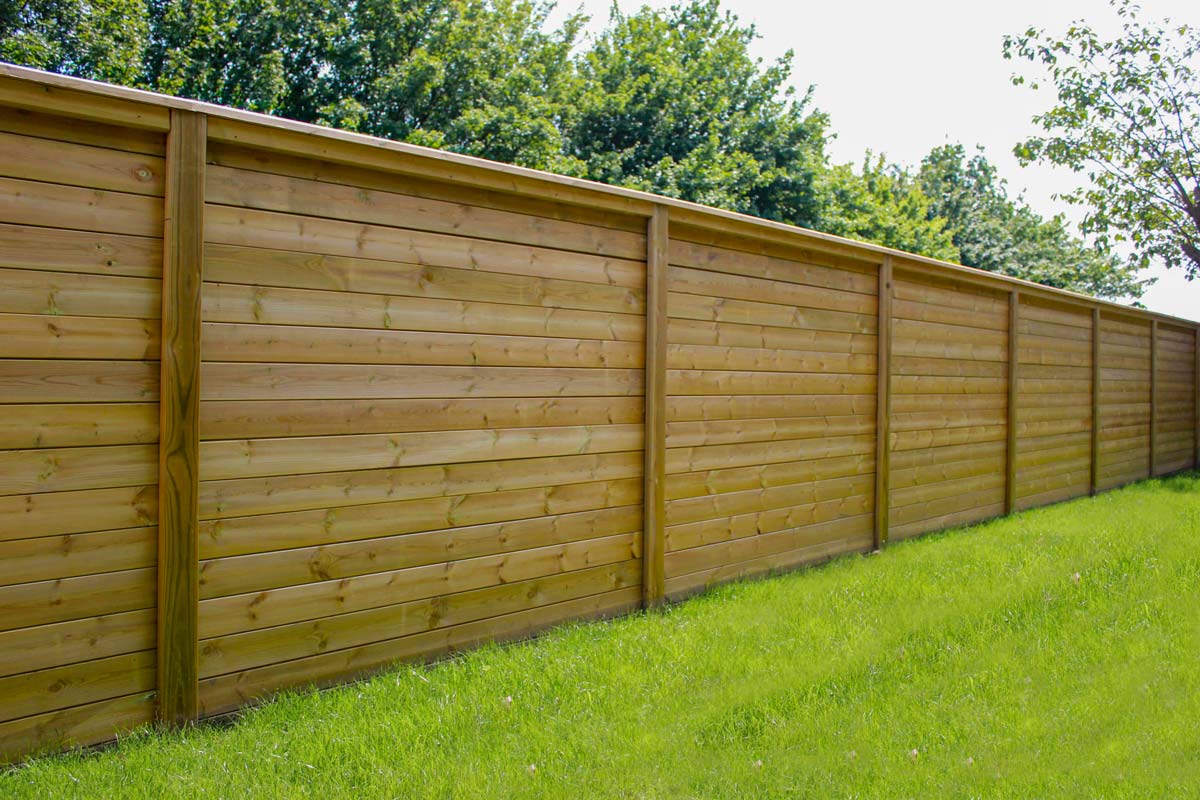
(37, 159)
(695, 459)
(699, 434)
(86, 724)
(732, 334)
(755, 524)
(25, 427)
(737, 479)
(50, 249)
(75, 684)
(851, 530)
(69, 555)
(76, 208)
(700, 407)
(30, 515)
(226, 381)
(54, 336)
(45, 602)
(274, 231)
(696, 509)
(72, 468)
(261, 190)
(240, 535)
(739, 287)
(27, 291)
(249, 496)
(29, 649)
(732, 382)
(817, 270)
(747, 312)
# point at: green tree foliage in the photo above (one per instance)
(883, 203)
(1001, 234)
(1128, 116)
(673, 102)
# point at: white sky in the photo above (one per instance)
(901, 78)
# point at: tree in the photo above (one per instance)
(1001, 234)
(98, 39)
(884, 204)
(673, 102)
(1128, 116)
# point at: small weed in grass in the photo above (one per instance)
(1052, 654)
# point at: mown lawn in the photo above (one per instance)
(1054, 654)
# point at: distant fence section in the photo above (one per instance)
(282, 405)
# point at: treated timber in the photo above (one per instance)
(1094, 476)
(653, 576)
(179, 422)
(1154, 398)
(1014, 360)
(883, 406)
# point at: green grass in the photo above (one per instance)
(972, 663)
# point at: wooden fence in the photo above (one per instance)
(282, 405)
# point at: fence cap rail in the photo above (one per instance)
(33, 89)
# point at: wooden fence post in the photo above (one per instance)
(1010, 479)
(1153, 394)
(1095, 466)
(883, 405)
(653, 556)
(179, 407)
(1196, 398)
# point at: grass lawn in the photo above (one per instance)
(1053, 654)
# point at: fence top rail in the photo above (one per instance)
(32, 89)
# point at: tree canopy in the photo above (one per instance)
(1127, 117)
(671, 101)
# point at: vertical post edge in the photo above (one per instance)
(1010, 478)
(178, 592)
(883, 405)
(653, 550)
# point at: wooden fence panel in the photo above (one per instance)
(1175, 402)
(1124, 401)
(1054, 408)
(80, 275)
(423, 405)
(949, 404)
(770, 411)
(422, 419)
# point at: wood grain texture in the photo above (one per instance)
(883, 407)
(1014, 328)
(655, 441)
(1094, 477)
(179, 422)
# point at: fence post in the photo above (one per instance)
(1153, 394)
(883, 405)
(1010, 479)
(179, 407)
(1196, 398)
(653, 576)
(1095, 466)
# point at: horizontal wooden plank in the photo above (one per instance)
(24, 427)
(255, 610)
(30, 122)
(87, 724)
(30, 649)
(54, 250)
(763, 476)
(296, 270)
(263, 419)
(75, 684)
(229, 381)
(721, 456)
(705, 557)
(324, 490)
(740, 287)
(300, 345)
(761, 360)
(944, 521)
(53, 336)
(270, 192)
(952, 334)
(236, 652)
(76, 208)
(224, 302)
(747, 312)
(940, 507)
(926, 493)
(943, 437)
(704, 533)
(335, 562)
(241, 535)
(27, 291)
(945, 455)
(732, 334)
(810, 269)
(298, 166)
(712, 506)
(699, 434)
(45, 602)
(734, 382)
(949, 417)
(36, 159)
(930, 290)
(248, 458)
(700, 407)
(71, 468)
(273, 231)
(73, 554)
(953, 367)
(936, 384)
(992, 319)
(936, 403)
(51, 514)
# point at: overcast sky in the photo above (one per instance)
(901, 78)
